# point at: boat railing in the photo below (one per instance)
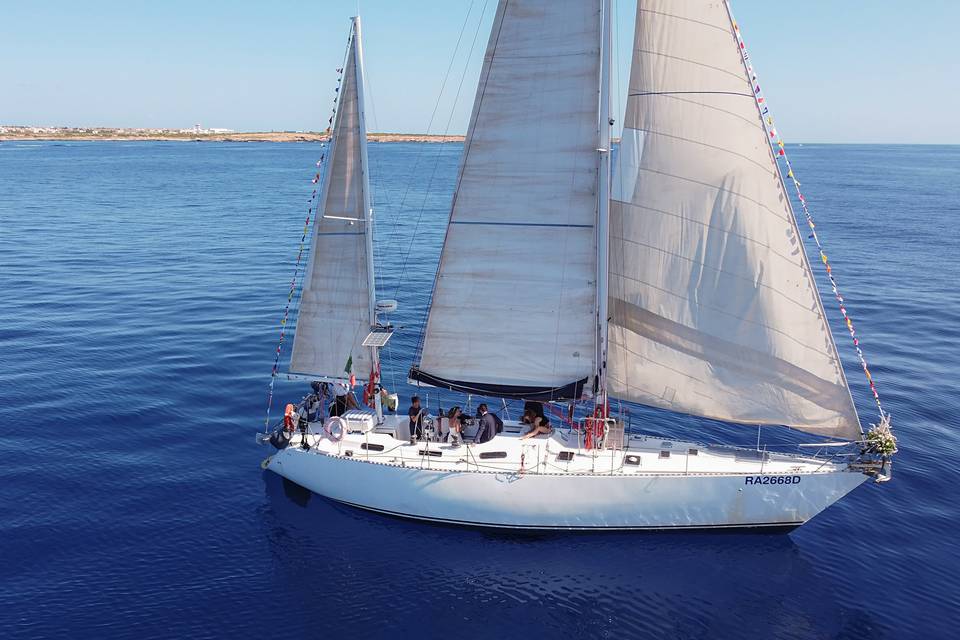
(536, 457)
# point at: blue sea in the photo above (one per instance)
(141, 291)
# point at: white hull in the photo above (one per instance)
(672, 493)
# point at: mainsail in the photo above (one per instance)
(714, 309)
(335, 313)
(513, 311)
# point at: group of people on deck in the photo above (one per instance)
(489, 423)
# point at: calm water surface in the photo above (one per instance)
(141, 288)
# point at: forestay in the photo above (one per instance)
(714, 309)
(334, 315)
(513, 308)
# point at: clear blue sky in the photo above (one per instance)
(852, 71)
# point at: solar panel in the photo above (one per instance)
(378, 338)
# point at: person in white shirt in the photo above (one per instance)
(343, 399)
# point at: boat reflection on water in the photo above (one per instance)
(437, 578)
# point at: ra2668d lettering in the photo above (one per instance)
(771, 480)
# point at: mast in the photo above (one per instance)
(603, 211)
(367, 214)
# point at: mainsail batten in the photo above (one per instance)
(334, 312)
(714, 310)
(514, 303)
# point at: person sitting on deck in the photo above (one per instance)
(416, 419)
(490, 424)
(539, 425)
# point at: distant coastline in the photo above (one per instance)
(10, 133)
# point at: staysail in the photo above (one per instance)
(714, 309)
(513, 311)
(335, 314)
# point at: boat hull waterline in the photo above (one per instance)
(567, 501)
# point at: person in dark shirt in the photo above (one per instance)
(314, 402)
(534, 407)
(488, 424)
(416, 418)
(539, 424)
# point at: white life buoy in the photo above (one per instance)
(334, 428)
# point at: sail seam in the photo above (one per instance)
(720, 271)
(673, 95)
(713, 186)
(684, 18)
(704, 144)
(706, 225)
(728, 314)
(667, 93)
(549, 56)
(691, 61)
(524, 224)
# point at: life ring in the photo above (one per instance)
(290, 418)
(334, 428)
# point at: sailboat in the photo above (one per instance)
(675, 279)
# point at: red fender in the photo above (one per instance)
(369, 391)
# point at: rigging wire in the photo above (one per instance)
(380, 248)
(436, 107)
(446, 131)
(375, 200)
(313, 212)
(466, 150)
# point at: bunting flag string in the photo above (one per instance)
(780, 152)
(313, 210)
